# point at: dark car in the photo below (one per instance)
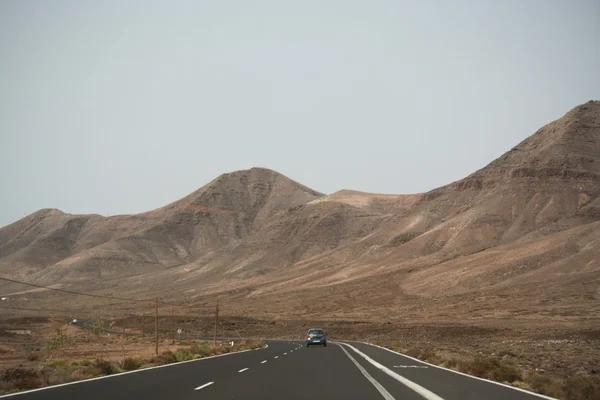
(316, 336)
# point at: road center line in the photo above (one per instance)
(276, 357)
(386, 395)
(264, 362)
(427, 394)
(285, 354)
(245, 369)
(203, 386)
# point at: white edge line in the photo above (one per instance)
(425, 393)
(203, 386)
(386, 395)
(462, 373)
(243, 369)
(120, 374)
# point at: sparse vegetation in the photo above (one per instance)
(491, 368)
(131, 364)
(15, 379)
(503, 368)
(582, 387)
(105, 367)
(63, 370)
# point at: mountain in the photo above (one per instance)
(519, 238)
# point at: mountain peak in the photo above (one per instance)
(565, 148)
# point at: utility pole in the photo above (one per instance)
(156, 325)
(216, 323)
(173, 323)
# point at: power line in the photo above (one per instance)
(72, 292)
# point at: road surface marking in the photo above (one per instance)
(427, 394)
(245, 369)
(276, 357)
(121, 373)
(410, 366)
(264, 362)
(541, 396)
(203, 386)
(386, 395)
(285, 354)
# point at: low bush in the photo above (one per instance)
(19, 379)
(183, 355)
(491, 368)
(582, 387)
(413, 352)
(429, 356)
(543, 384)
(451, 363)
(131, 364)
(166, 357)
(27, 383)
(105, 366)
(15, 374)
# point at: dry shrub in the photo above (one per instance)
(413, 352)
(202, 350)
(183, 355)
(543, 384)
(491, 368)
(131, 364)
(429, 356)
(451, 363)
(85, 373)
(20, 379)
(105, 366)
(15, 374)
(582, 387)
(166, 357)
(27, 383)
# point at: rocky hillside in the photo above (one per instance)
(521, 232)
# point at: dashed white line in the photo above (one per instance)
(245, 369)
(203, 386)
(264, 362)
(276, 357)
(285, 354)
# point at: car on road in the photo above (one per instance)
(316, 336)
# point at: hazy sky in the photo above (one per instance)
(123, 106)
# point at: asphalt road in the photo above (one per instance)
(289, 370)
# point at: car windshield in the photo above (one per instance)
(314, 332)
